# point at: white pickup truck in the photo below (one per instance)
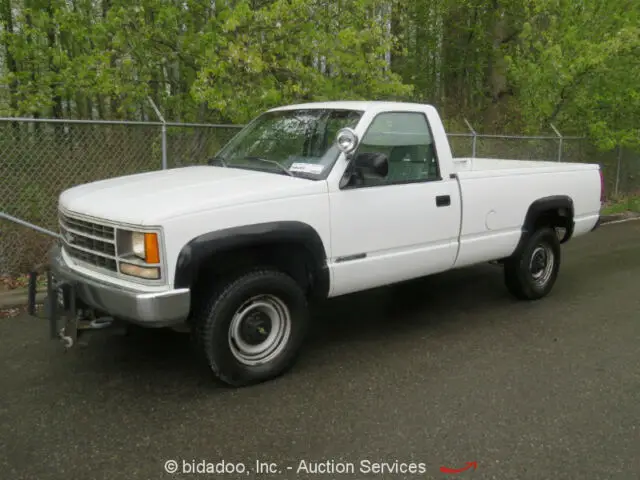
(305, 203)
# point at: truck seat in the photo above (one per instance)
(407, 163)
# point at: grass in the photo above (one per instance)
(626, 204)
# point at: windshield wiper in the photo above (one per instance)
(219, 160)
(273, 162)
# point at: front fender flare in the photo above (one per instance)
(194, 253)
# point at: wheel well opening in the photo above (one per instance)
(291, 258)
(561, 219)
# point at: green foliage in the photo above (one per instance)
(259, 58)
(104, 59)
(504, 65)
(577, 65)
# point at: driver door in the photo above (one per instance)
(403, 226)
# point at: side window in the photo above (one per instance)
(406, 140)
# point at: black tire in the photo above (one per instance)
(216, 318)
(520, 271)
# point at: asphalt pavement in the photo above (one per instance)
(445, 371)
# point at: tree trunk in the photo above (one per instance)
(114, 103)
(498, 87)
(12, 67)
(51, 37)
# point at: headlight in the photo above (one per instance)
(142, 245)
(137, 244)
(139, 254)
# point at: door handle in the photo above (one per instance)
(443, 201)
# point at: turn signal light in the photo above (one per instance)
(151, 251)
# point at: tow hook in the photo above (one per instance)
(66, 340)
(63, 305)
(83, 324)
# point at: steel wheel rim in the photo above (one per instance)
(541, 264)
(244, 321)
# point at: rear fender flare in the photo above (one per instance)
(539, 207)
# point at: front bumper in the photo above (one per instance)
(158, 309)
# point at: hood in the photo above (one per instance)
(149, 198)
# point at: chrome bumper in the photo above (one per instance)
(160, 309)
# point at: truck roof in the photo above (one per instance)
(349, 105)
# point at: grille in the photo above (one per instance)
(89, 242)
(87, 228)
(93, 259)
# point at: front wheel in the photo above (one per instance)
(253, 328)
(531, 274)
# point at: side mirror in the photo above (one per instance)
(372, 163)
(347, 141)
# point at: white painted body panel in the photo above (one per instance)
(492, 222)
(399, 228)
(153, 197)
(311, 208)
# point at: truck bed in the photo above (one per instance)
(496, 194)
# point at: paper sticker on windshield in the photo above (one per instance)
(306, 168)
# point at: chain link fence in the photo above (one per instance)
(620, 167)
(39, 159)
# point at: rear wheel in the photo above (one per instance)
(532, 273)
(253, 328)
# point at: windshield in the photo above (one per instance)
(289, 142)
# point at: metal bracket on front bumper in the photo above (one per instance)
(62, 303)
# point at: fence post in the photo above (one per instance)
(475, 136)
(560, 143)
(164, 133)
(616, 189)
